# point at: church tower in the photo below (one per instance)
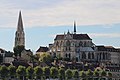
(74, 27)
(19, 35)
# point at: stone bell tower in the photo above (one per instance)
(19, 35)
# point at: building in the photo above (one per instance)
(6, 56)
(81, 48)
(19, 35)
(26, 55)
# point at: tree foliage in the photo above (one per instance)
(82, 74)
(12, 70)
(103, 73)
(29, 72)
(4, 71)
(96, 73)
(68, 74)
(61, 72)
(46, 72)
(38, 72)
(18, 49)
(54, 72)
(89, 73)
(45, 57)
(21, 71)
(75, 74)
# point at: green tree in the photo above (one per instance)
(21, 72)
(82, 74)
(38, 72)
(4, 72)
(54, 72)
(96, 74)
(103, 74)
(30, 72)
(109, 76)
(12, 71)
(45, 57)
(76, 74)
(46, 71)
(89, 74)
(68, 74)
(61, 72)
(18, 49)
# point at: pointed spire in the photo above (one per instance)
(68, 32)
(20, 23)
(74, 27)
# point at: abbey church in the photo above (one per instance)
(81, 48)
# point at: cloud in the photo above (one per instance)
(108, 35)
(56, 13)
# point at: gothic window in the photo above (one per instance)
(100, 56)
(57, 43)
(69, 55)
(92, 55)
(83, 55)
(89, 56)
(69, 49)
(68, 43)
(103, 56)
(66, 55)
(85, 44)
(80, 43)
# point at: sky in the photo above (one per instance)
(43, 19)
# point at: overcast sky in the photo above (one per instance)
(43, 19)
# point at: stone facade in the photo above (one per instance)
(81, 48)
(19, 35)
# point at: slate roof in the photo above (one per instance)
(42, 49)
(8, 54)
(107, 48)
(75, 36)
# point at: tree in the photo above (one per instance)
(76, 74)
(21, 72)
(82, 74)
(12, 71)
(54, 72)
(18, 49)
(46, 71)
(61, 72)
(38, 72)
(89, 73)
(29, 72)
(3, 72)
(68, 74)
(45, 57)
(109, 76)
(103, 73)
(96, 74)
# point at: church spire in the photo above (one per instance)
(19, 35)
(20, 23)
(74, 27)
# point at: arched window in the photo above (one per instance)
(68, 43)
(80, 43)
(103, 56)
(89, 56)
(83, 55)
(66, 55)
(92, 55)
(69, 55)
